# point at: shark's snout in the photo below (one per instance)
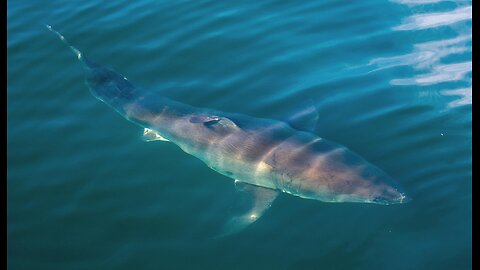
(404, 198)
(396, 198)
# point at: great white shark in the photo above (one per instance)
(264, 157)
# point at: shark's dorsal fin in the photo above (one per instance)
(150, 135)
(257, 200)
(304, 117)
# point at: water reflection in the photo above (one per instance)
(419, 2)
(439, 73)
(428, 54)
(465, 95)
(432, 60)
(429, 20)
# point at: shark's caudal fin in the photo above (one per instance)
(87, 63)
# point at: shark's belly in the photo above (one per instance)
(260, 174)
(275, 164)
(235, 166)
(272, 156)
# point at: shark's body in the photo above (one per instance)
(266, 156)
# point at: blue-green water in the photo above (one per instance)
(392, 80)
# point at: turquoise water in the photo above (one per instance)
(392, 80)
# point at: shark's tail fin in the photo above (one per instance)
(87, 63)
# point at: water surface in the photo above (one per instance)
(392, 80)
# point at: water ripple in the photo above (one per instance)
(85, 192)
(430, 59)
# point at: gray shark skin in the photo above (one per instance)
(265, 153)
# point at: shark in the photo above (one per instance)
(263, 157)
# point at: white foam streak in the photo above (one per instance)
(439, 74)
(430, 20)
(423, 2)
(465, 95)
(426, 54)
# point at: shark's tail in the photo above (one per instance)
(87, 63)
(76, 51)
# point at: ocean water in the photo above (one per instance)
(392, 80)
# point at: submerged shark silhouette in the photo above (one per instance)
(265, 157)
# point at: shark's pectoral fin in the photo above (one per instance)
(150, 135)
(254, 201)
(304, 117)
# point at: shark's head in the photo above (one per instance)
(374, 186)
(343, 176)
(366, 184)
